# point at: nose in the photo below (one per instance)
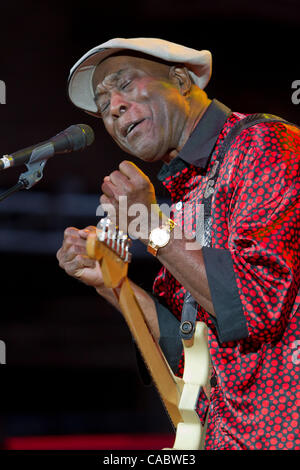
(118, 104)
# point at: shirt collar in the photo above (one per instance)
(199, 146)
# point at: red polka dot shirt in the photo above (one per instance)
(253, 270)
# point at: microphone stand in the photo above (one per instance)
(34, 173)
(12, 190)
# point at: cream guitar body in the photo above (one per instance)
(179, 395)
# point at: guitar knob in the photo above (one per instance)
(186, 327)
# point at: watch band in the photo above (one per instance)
(153, 249)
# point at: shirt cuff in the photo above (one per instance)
(170, 340)
(230, 320)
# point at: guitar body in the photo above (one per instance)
(190, 433)
(179, 396)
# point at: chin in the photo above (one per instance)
(147, 155)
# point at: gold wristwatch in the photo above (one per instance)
(160, 236)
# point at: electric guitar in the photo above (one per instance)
(110, 248)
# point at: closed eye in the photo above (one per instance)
(125, 85)
(104, 106)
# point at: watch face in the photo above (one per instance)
(159, 236)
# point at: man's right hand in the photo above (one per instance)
(73, 259)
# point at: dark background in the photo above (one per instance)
(70, 360)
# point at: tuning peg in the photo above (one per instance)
(106, 223)
(111, 238)
(102, 227)
(111, 235)
(123, 244)
(111, 231)
(119, 234)
(127, 255)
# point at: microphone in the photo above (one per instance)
(75, 137)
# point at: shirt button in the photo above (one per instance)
(178, 205)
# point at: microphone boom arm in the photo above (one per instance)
(35, 167)
(75, 137)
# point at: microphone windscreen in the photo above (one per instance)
(89, 133)
(75, 137)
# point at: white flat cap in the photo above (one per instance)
(80, 86)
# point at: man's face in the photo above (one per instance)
(141, 106)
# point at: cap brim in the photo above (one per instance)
(80, 83)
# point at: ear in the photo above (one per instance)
(181, 78)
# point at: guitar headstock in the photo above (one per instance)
(110, 247)
(114, 239)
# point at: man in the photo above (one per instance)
(149, 94)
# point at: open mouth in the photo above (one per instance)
(132, 126)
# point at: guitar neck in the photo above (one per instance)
(166, 383)
(113, 260)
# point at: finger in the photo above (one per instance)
(118, 178)
(76, 266)
(84, 233)
(58, 254)
(70, 241)
(67, 255)
(107, 201)
(71, 231)
(109, 208)
(108, 189)
(121, 187)
(75, 250)
(67, 250)
(130, 170)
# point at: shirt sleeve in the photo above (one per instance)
(255, 281)
(230, 320)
